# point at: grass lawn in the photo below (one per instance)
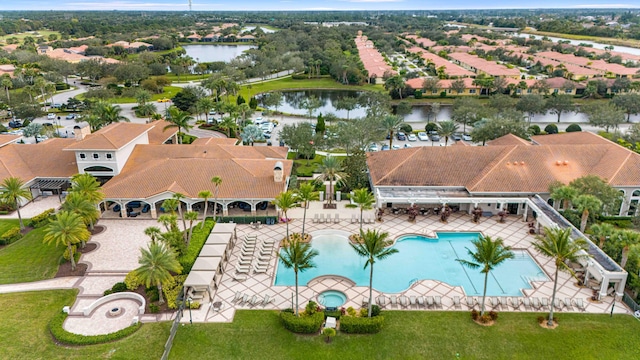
(8, 224)
(35, 34)
(169, 92)
(25, 335)
(28, 259)
(416, 335)
(287, 83)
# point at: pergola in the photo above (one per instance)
(50, 185)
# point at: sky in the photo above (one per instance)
(229, 5)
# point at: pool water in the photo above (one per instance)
(332, 298)
(418, 258)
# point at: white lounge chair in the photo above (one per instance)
(244, 261)
(421, 301)
(237, 297)
(404, 301)
(536, 303)
(259, 270)
(470, 302)
(527, 303)
(244, 299)
(580, 304)
(429, 301)
(268, 299)
(557, 304)
(354, 219)
(255, 300)
(394, 300)
(242, 270)
(515, 303)
(412, 300)
(456, 302)
(321, 219)
(336, 218)
(567, 304)
(503, 303)
(545, 303)
(315, 218)
(437, 300)
(240, 277)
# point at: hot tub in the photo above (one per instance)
(332, 298)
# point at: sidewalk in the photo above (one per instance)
(51, 284)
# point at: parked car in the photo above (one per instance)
(456, 137)
(401, 136)
(422, 136)
(70, 116)
(395, 147)
(412, 137)
(211, 120)
(257, 121)
(164, 100)
(211, 112)
(373, 147)
(15, 123)
(266, 135)
(51, 116)
(267, 127)
(385, 147)
(435, 137)
(56, 105)
(407, 146)
(41, 137)
(466, 137)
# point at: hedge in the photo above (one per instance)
(334, 313)
(198, 238)
(248, 219)
(10, 236)
(63, 336)
(303, 324)
(361, 325)
(41, 219)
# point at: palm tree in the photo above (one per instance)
(111, 114)
(390, 124)
(88, 187)
(286, 201)
(565, 194)
(363, 199)
(153, 232)
(179, 119)
(205, 194)
(67, 229)
(191, 216)
(298, 256)
(331, 170)
(488, 254)
(374, 246)
(627, 238)
(228, 124)
(76, 203)
(601, 232)
(7, 84)
(305, 194)
(556, 244)
(395, 83)
(171, 205)
(169, 221)
(446, 129)
(217, 181)
(156, 265)
(586, 204)
(179, 197)
(12, 191)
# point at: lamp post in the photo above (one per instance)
(58, 126)
(189, 302)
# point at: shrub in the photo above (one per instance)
(40, 219)
(485, 318)
(334, 313)
(475, 315)
(417, 94)
(66, 254)
(10, 236)
(311, 308)
(302, 324)
(132, 280)
(573, 128)
(431, 127)
(117, 287)
(63, 336)
(299, 77)
(262, 219)
(551, 129)
(195, 305)
(493, 315)
(152, 294)
(364, 312)
(153, 308)
(406, 128)
(172, 289)
(351, 311)
(361, 325)
(198, 238)
(375, 310)
(534, 130)
(541, 319)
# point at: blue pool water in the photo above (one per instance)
(418, 258)
(332, 298)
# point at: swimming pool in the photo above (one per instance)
(418, 258)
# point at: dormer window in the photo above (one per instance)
(109, 156)
(96, 156)
(83, 156)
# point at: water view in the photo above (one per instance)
(212, 53)
(595, 45)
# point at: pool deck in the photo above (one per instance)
(513, 231)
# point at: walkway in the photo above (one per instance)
(63, 283)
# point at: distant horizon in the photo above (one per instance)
(305, 5)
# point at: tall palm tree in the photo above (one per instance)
(298, 256)
(76, 203)
(171, 205)
(628, 238)
(586, 204)
(12, 191)
(153, 232)
(179, 197)
(156, 265)
(7, 84)
(390, 124)
(67, 229)
(228, 124)
(363, 199)
(111, 114)
(191, 216)
(169, 221)
(217, 181)
(565, 194)
(374, 246)
(446, 130)
(601, 232)
(205, 194)
(88, 187)
(286, 201)
(556, 244)
(331, 170)
(180, 120)
(487, 254)
(305, 194)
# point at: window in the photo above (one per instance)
(108, 156)
(568, 91)
(472, 91)
(550, 202)
(83, 156)
(96, 156)
(529, 91)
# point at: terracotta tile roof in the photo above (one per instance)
(112, 137)
(371, 58)
(489, 67)
(513, 168)
(214, 141)
(158, 135)
(509, 139)
(188, 169)
(8, 139)
(451, 69)
(28, 161)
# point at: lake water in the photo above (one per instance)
(251, 28)
(212, 53)
(419, 114)
(596, 45)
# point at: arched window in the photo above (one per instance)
(550, 202)
(98, 169)
(633, 203)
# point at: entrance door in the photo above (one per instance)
(512, 209)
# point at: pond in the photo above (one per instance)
(625, 49)
(292, 104)
(251, 28)
(212, 53)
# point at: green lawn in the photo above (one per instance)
(8, 224)
(25, 335)
(44, 33)
(28, 259)
(287, 83)
(417, 335)
(169, 92)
